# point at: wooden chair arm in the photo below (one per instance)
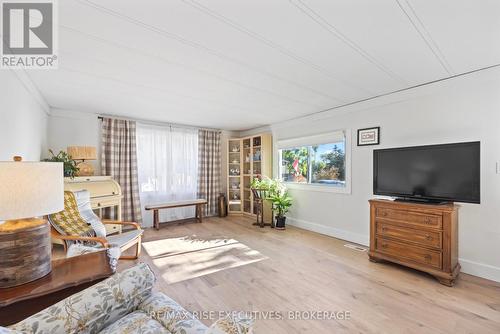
(107, 221)
(102, 241)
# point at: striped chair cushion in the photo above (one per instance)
(69, 221)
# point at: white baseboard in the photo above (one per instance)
(480, 269)
(330, 231)
(469, 267)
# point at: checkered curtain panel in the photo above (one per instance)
(119, 160)
(209, 168)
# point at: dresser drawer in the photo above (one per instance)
(113, 228)
(413, 253)
(421, 237)
(409, 217)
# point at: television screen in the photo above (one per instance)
(449, 172)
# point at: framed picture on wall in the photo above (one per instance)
(369, 136)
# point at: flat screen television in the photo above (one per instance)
(433, 173)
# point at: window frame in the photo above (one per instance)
(326, 138)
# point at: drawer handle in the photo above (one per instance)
(428, 220)
(384, 245)
(384, 229)
(427, 257)
(428, 237)
(98, 204)
(384, 213)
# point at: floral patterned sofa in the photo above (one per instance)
(123, 303)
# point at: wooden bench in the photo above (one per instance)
(199, 203)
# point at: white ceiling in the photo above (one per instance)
(241, 64)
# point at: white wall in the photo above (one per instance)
(23, 118)
(465, 108)
(74, 128)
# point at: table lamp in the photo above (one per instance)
(83, 153)
(28, 191)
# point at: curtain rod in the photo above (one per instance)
(144, 121)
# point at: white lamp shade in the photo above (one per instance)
(30, 189)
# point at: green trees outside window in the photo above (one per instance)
(316, 164)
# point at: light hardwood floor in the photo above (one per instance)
(306, 271)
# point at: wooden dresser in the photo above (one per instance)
(420, 236)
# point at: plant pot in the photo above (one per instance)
(280, 222)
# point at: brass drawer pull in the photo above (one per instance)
(98, 204)
(427, 220)
(428, 238)
(428, 257)
(384, 229)
(384, 245)
(384, 213)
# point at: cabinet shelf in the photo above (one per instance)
(259, 146)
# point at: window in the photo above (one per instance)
(167, 163)
(319, 161)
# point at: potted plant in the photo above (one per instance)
(282, 202)
(275, 192)
(70, 167)
(261, 185)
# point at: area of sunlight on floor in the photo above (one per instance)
(189, 257)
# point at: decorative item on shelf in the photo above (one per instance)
(27, 190)
(236, 197)
(235, 149)
(235, 161)
(369, 136)
(234, 171)
(256, 155)
(247, 158)
(70, 168)
(83, 153)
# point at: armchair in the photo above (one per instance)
(77, 223)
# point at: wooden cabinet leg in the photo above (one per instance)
(374, 259)
(446, 281)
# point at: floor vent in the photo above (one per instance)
(356, 247)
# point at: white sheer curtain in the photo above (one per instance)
(167, 159)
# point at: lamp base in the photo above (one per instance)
(85, 169)
(26, 251)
